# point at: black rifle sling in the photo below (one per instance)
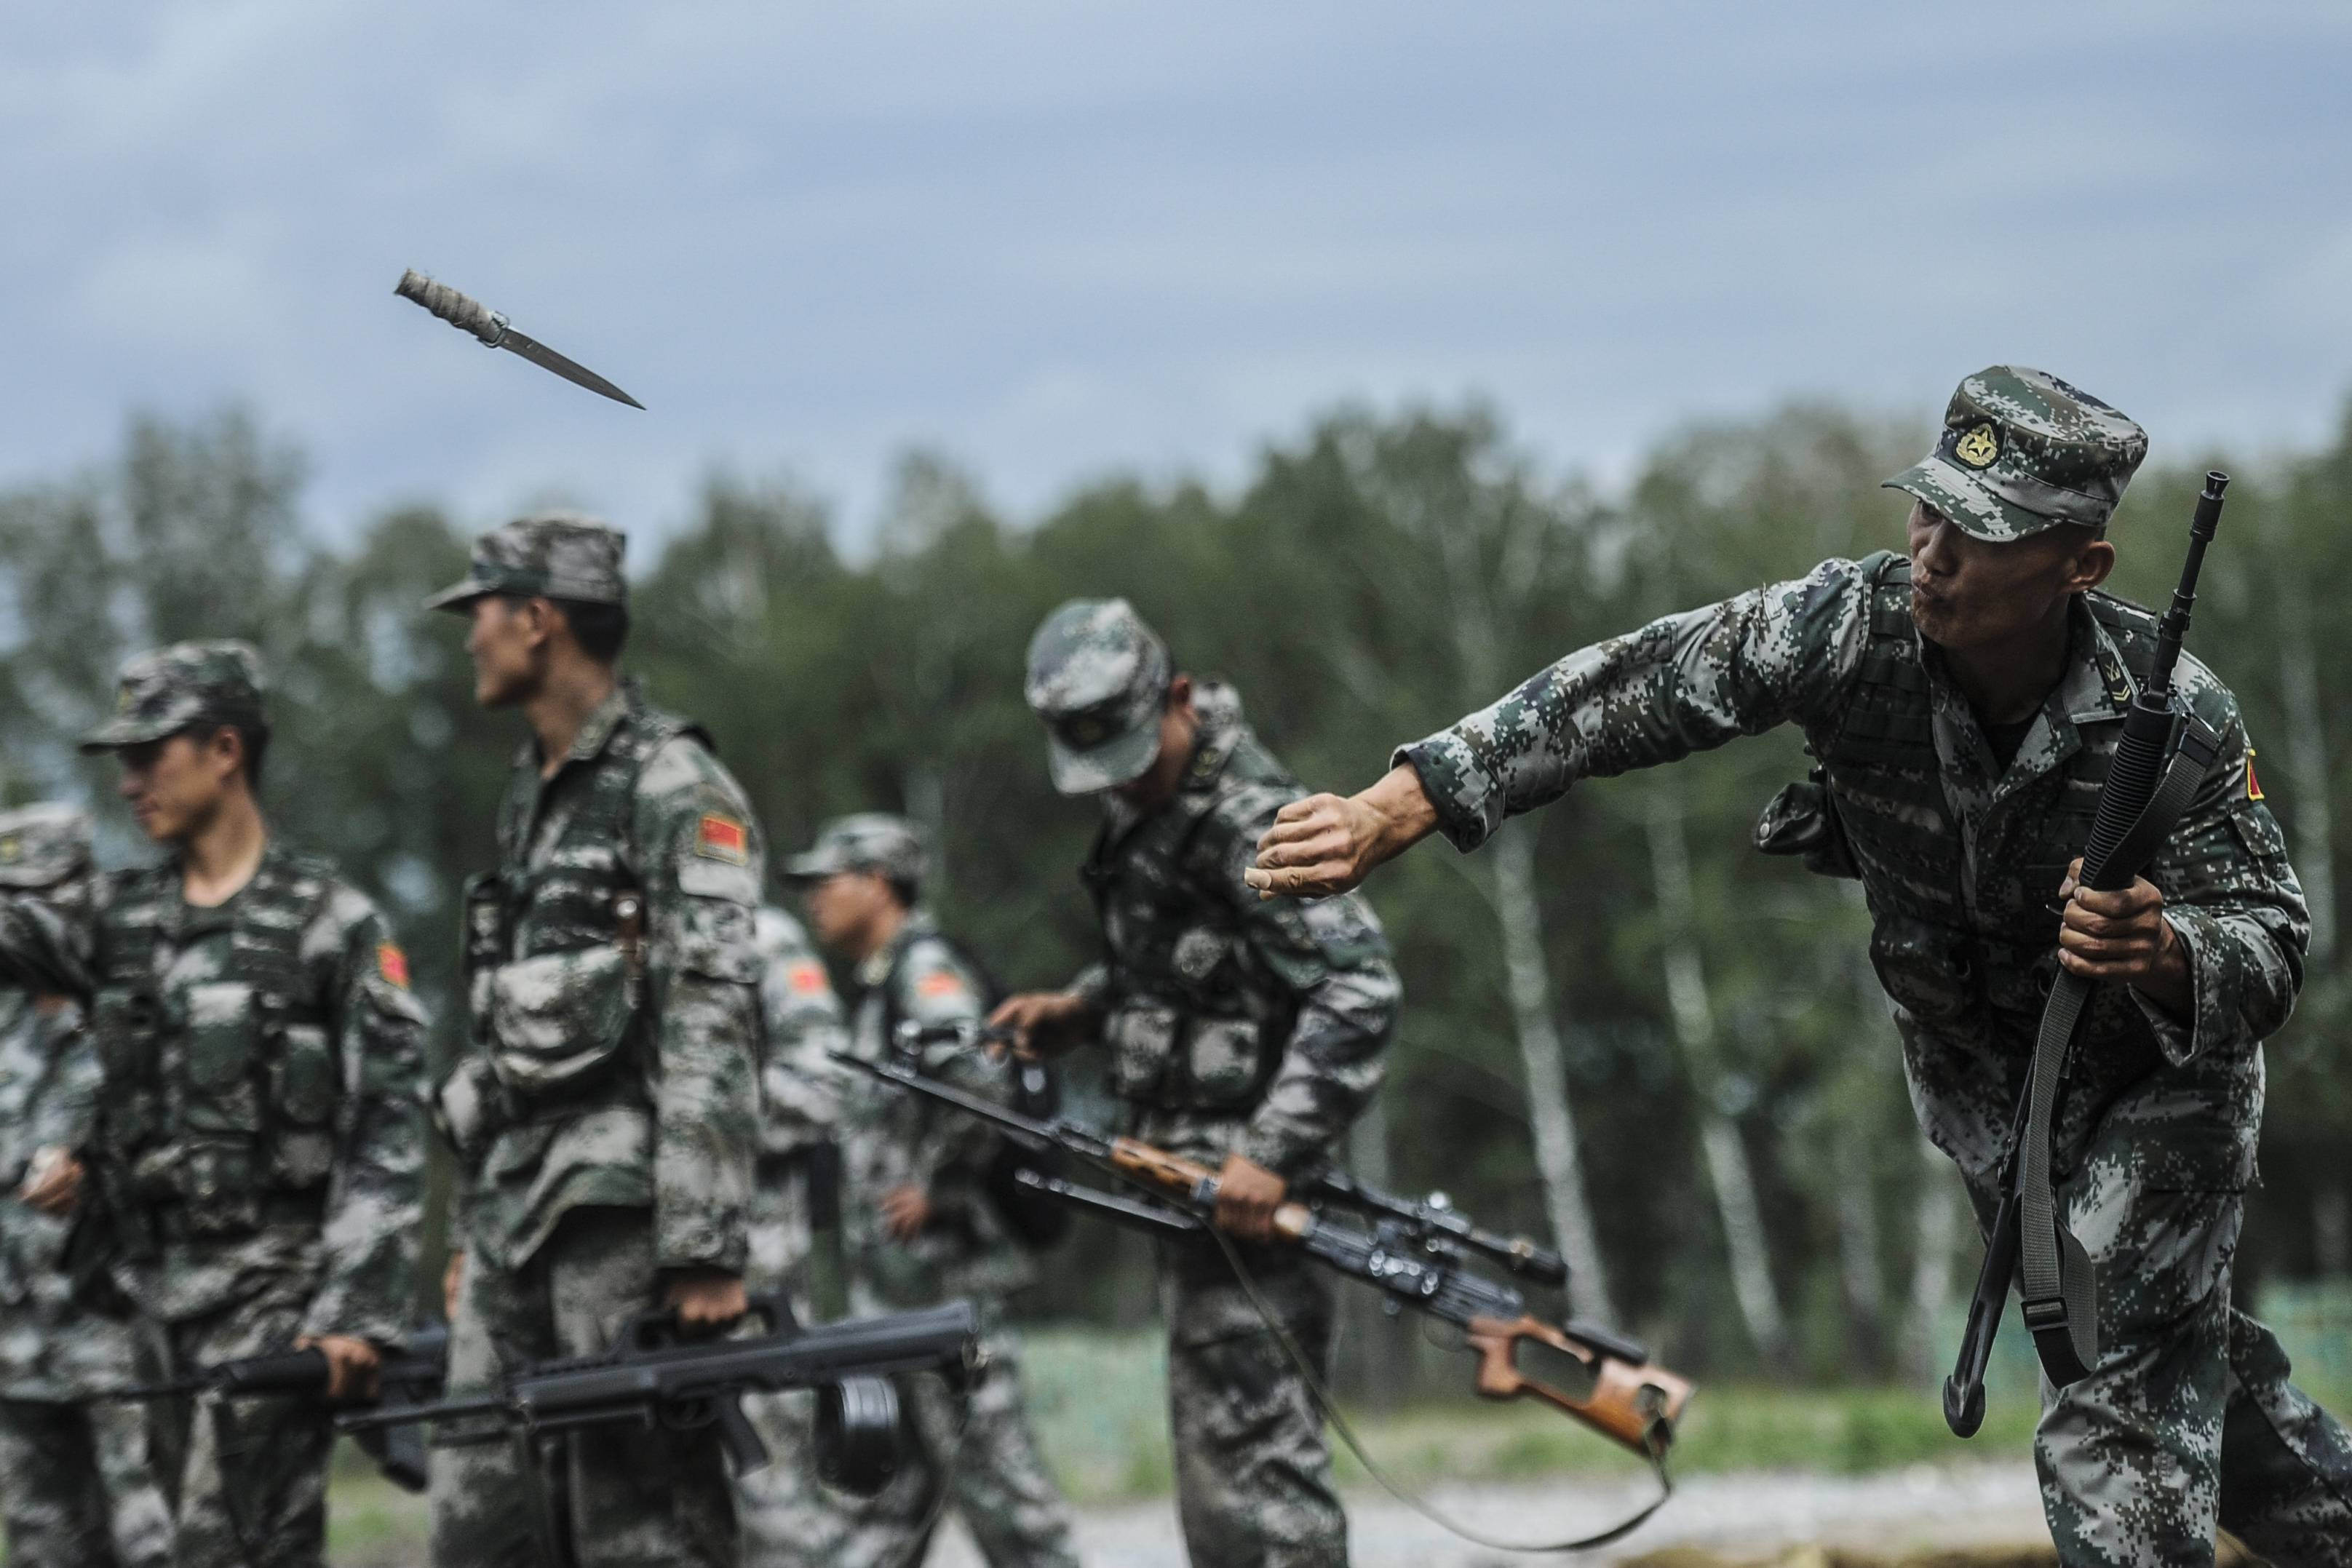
(2055, 1282)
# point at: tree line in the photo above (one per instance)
(1624, 1028)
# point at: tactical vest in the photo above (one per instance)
(554, 952)
(217, 1114)
(1895, 828)
(1195, 1024)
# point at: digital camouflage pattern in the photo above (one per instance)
(552, 555)
(979, 1448)
(1236, 1025)
(1961, 859)
(627, 1495)
(890, 847)
(161, 692)
(2021, 451)
(1098, 677)
(608, 1111)
(77, 1482)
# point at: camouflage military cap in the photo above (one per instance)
(888, 846)
(42, 845)
(1098, 677)
(2021, 451)
(552, 555)
(171, 689)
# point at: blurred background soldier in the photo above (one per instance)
(256, 1145)
(75, 1481)
(606, 1117)
(795, 1230)
(1244, 1034)
(919, 1222)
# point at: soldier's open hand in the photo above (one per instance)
(906, 1210)
(2124, 936)
(1327, 843)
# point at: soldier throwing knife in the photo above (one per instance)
(1964, 698)
(1242, 1034)
(606, 1114)
(256, 1141)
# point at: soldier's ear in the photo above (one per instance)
(2090, 566)
(1179, 692)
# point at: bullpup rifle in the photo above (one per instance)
(2164, 753)
(413, 1376)
(1412, 1251)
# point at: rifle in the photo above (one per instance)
(1412, 1251)
(414, 1374)
(2158, 764)
(653, 1378)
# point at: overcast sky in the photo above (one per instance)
(1059, 240)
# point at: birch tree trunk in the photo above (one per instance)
(1936, 1223)
(1520, 916)
(1727, 1159)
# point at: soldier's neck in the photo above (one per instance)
(220, 857)
(2007, 682)
(880, 932)
(572, 689)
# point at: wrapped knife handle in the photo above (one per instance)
(461, 311)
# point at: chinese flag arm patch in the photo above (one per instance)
(392, 964)
(2253, 785)
(722, 838)
(806, 979)
(941, 983)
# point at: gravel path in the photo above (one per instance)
(1990, 1505)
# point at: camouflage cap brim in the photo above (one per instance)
(1968, 501)
(1091, 769)
(814, 866)
(141, 729)
(458, 595)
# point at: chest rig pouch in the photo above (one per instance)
(1186, 1030)
(555, 955)
(219, 1105)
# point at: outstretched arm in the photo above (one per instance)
(1684, 683)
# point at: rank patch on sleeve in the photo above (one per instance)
(2253, 785)
(941, 983)
(723, 839)
(392, 964)
(806, 980)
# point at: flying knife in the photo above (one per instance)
(472, 315)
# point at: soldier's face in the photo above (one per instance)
(1969, 595)
(845, 907)
(175, 785)
(504, 642)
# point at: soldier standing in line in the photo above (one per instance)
(918, 1225)
(1242, 1034)
(786, 1515)
(1964, 701)
(257, 1148)
(75, 1481)
(606, 1114)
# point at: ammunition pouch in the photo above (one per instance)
(1802, 820)
(559, 1023)
(470, 1109)
(1164, 1056)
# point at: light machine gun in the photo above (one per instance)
(1414, 1252)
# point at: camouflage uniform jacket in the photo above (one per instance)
(1236, 1024)
(1960, 859)
(800, 1094)
(890, 1139)
(259, 1067)
(613, 981)
(49, 1098)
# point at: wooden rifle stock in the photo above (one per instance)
(1627, 1403)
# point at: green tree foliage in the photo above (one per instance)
(1374, 578)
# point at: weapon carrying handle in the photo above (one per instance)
(293, 1372)
(1627, 1403)
(461, 311)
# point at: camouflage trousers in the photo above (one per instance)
(79, 1490)
(977, 1447)
(251, 1474)
(620, 1496)
(1253, 1472)
(2188, 1421)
